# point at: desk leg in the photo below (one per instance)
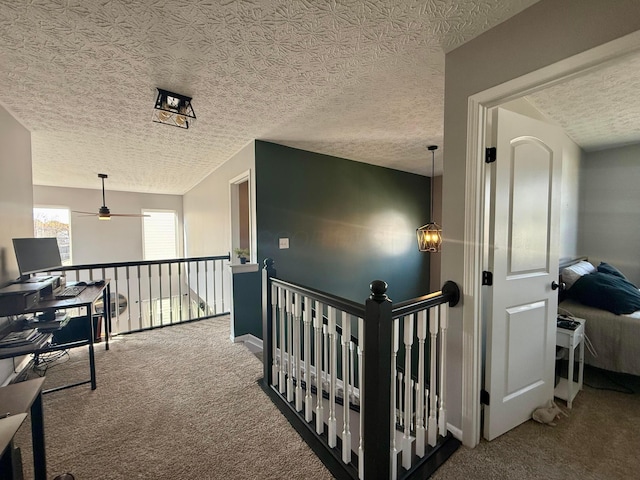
(37, 436)
(92, 360)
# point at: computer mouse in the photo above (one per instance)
(81, 284)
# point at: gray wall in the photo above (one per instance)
(547, 32)
(610, 209)
(348, 223)
(16, 201)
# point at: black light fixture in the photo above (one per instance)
(173, 109)
(430, 235)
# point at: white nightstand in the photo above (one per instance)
(567, 389)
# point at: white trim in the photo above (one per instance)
(474, 241)
(234, 201)
(455, 431)
(250, 339)
(243, 267)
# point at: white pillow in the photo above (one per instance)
(575, 271)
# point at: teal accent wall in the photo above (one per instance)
(347, 222)
(247, 306)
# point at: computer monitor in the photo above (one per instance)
(37, 255)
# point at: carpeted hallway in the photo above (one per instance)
(183, 403)
(175, 403)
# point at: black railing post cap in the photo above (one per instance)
(378, 289)
(268, 262)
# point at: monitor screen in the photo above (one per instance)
(37, 254)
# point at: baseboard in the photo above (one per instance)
(455, 431)
(248, 338)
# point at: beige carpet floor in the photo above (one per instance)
(175, 403)
(183, 403)
(600, 439)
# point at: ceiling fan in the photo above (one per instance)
(104, 213)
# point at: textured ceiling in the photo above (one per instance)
(359, 79)
(598, 109)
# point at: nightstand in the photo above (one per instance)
(567, 388)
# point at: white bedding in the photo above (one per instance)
(616, 338)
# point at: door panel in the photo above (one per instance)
(523, 256)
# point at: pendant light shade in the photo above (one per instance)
(430, 235)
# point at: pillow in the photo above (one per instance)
(573, 272)
(606, 292)
(610, 269)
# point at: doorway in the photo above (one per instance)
(240, 204)
(479, 106)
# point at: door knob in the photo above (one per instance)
(555, 285)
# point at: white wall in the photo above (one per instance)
(16, 192)
(16, 209)
(116, 240)
(547, 32)
(207, 206)
(609, 210)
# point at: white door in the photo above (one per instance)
(523, 258)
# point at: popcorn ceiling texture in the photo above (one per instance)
(359, 79)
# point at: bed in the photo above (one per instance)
(610, 304)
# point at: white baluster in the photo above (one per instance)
(308, 400)
(333, 372)
(318, 328)
(325, 356)
(352, 378)
(399, 416)
(282, 384)
(297, 350)
(406, 438)
(432, 429)
(420, 397)
(346, 362)
(290, 322)
(274, 334)
(361, 390)
(395, 341)
(442, 411)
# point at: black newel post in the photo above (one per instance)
(268, 272)
(377, 387)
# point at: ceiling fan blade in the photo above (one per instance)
(129, 215)
(83, 213)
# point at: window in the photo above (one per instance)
(160, 234)
(54, 222)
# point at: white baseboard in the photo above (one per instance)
(455, 431)
(248, 338)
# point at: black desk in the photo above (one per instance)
(8, 428)
(84, 300)
(18, 398)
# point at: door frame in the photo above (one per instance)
(475, 245)
(234, 205)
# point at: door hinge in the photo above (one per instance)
(490, 155)
(487, 278)
(484, 397)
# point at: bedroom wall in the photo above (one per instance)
(547, 32)
(96, 241)
(347, 222)
(609, 213)
(16, 203)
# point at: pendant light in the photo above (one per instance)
(430, 235)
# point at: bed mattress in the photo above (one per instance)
(615, 338)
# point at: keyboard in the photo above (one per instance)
(70, 291)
